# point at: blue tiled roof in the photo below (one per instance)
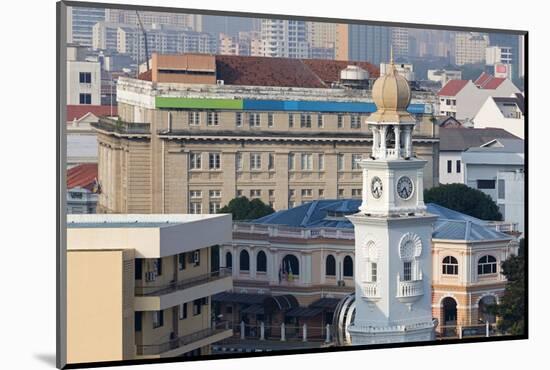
(450, 224)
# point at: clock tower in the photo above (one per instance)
(392, 229)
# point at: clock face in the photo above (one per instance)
(404, 187)
(376, 187)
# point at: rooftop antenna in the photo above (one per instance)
(144, 41)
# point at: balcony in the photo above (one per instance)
(409, 291)
(186, 343)
(122, 128)
(371, 291)
(160, 297)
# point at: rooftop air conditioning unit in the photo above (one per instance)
(219, 82)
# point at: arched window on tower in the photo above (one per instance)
(450, 266)
(487, 265)
(330, 266)
(244, 261)
(348, 267)
(261, 262)
(291, 265)
(228, 260)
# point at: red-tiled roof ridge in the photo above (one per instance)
(79, 111)
(482, 79)
(83, 175)
(452, 87)
(493, 83)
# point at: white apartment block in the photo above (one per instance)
(321, 35)
(470, 48)
(83, 79)
(284, 38)
(503, 112)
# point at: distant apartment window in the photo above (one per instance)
(291, 193)
(195, 194)
(449, 166)
(271, 192)
(355, 121)
(458, 166)
(255, 193)
(450, 266)
(214, 207)
(195, 161)
(214, 161)
(215, 194)
(195, 208)
(290, 120)
(486, 184)
(340, 193)
(183, 311)
(194, 118)
(158, 319)
(355, 159)
(487, 265)
(321, 193)
(320, 121)
(85, 77)
(158, 266)
(212, 118)
(448, 102)
(307, 192)
(340, 162)
(270, 120)
(407, 271)
(255, 161)
(271, 161)
(356, 193)
(340, 119)
(197, 306)
(138, 270)
(321, 162)
(501, 189)
(85, 98)
(307, 161)
(254, 119)
(305, 120)
(181, 261)
(291, 158)
(239, 161)
(453, 102)
(238, 119)
(137, 320)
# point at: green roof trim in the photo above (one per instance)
(195, 103)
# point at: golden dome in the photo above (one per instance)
(391, 94)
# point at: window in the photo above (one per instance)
(239, 193)
(255, 193)
(239, 162)
(158, 319)
(214, 207)
(355, 159)
(195, 208)
(487, 265)
(197, 306)
(291, 161)
(194, 118)
(448, 102)
(290, 120)
(244, 261)
(355, 121)
(215, 194)
(255, 161)
(320, 121)
(137, 320)
(254, 119)
(291, 193)
(238, 119)
(158, 266)
(407, 271)
(321, 162)
(458, 166)
(195, 194)
(486, 184)
(214, 161)
(85, 98)
(501, 189)
(261, 262)
(340, 162)
(138, 273)
(271, 161)
(270, 120)
(321, 193)
(212, 118)
(453, 102)
(307, 161)
(348, 266)
(291, 265)
(340, 120)
(181, 261)
(340, 193)
(195, 161)
(307, 192)
(450, 266)
(305, 120)
(183, 311)
(373, 272)
(449, 166)
(330, 266)
(85, 77)
(271, 192)
(228, 260)
(356, 193)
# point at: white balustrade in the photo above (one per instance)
(370, 290)
(412, 288)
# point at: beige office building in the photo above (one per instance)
(139, 286)
(197, 130)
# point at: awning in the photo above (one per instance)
(254, 310)
(244, 298)
(280, 303)
(328, 304)
(304, 312)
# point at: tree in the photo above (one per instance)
(244, 209)
(465, 199)
(511, 308)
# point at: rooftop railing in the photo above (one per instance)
(293, 232)
(121, 127)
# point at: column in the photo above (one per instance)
(397, 133)
(383, 140)
(281, 178)
(274, 277)
(229, 187)
(235, 268)
(252, 255)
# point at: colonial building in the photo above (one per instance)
(82, 188)
(198, 130)
(135, 291)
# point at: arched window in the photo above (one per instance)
(244, 261)
(228, 260)
(261, 262)
(330, 266)
(487, 265)
(291, 265)
(348, 267)
(450, 266)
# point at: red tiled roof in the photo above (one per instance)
(79, 111)
(452, 87)
(329, 70)
(493, 83)
(482, 79)
(83, 175)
